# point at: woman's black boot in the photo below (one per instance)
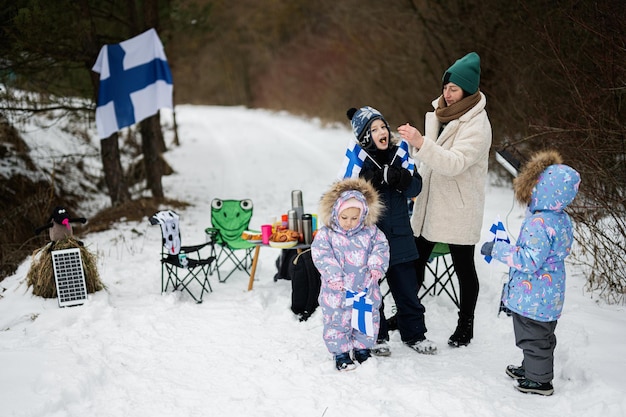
(464, 332)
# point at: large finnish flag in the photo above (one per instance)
(135, 82)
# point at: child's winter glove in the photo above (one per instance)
(487, 248)
(335, 285)
(397, 178)
(375, 176)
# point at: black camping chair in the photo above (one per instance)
(442, 270)
(182, 266)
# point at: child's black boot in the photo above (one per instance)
(531, 387)
(343, 362)
(361, 355)
(516, 372)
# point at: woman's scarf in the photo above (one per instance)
(446, 114)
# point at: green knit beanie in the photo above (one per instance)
(465, 73)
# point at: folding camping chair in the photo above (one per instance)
(183, 272)
(441, 268)
(229, 219)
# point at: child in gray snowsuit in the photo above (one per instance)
(536, 287)
(352, 255)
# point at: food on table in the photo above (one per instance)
(248, 235)
(285, 236)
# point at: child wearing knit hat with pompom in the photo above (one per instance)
(388, 168)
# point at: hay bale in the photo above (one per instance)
(40, 276)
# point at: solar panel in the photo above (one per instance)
(69, 277)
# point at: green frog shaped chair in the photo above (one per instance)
(229, 219)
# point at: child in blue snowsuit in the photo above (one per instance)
(536, 288)
(352, 255)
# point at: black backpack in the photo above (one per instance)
(284, 264)
(305, 285)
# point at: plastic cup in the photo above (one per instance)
(266, 232)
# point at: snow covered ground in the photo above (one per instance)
(132, 351)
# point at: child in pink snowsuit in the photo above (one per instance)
(352, 255)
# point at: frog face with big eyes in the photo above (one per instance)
(231, 217)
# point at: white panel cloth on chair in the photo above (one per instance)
(168, 220)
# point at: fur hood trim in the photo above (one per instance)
(340, 191)
(545, 183)
(524, 183)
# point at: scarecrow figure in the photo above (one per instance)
(41, 273)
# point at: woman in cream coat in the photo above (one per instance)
(453, 158)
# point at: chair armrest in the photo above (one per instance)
(194, 248)
(212, 234)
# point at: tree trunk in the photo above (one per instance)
(176, 140)
(152, 142)
(151, 137)
(110, 151)
(113, 172)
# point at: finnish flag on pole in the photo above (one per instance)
(362, 319)
(135, 82)
(498, 233)
(353, 161)
(403, 152)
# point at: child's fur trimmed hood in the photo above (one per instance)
(330, 200)
(529, 175)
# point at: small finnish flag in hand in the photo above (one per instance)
(499, 234)
(353, 161)
(403, 152)
(362, 318)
